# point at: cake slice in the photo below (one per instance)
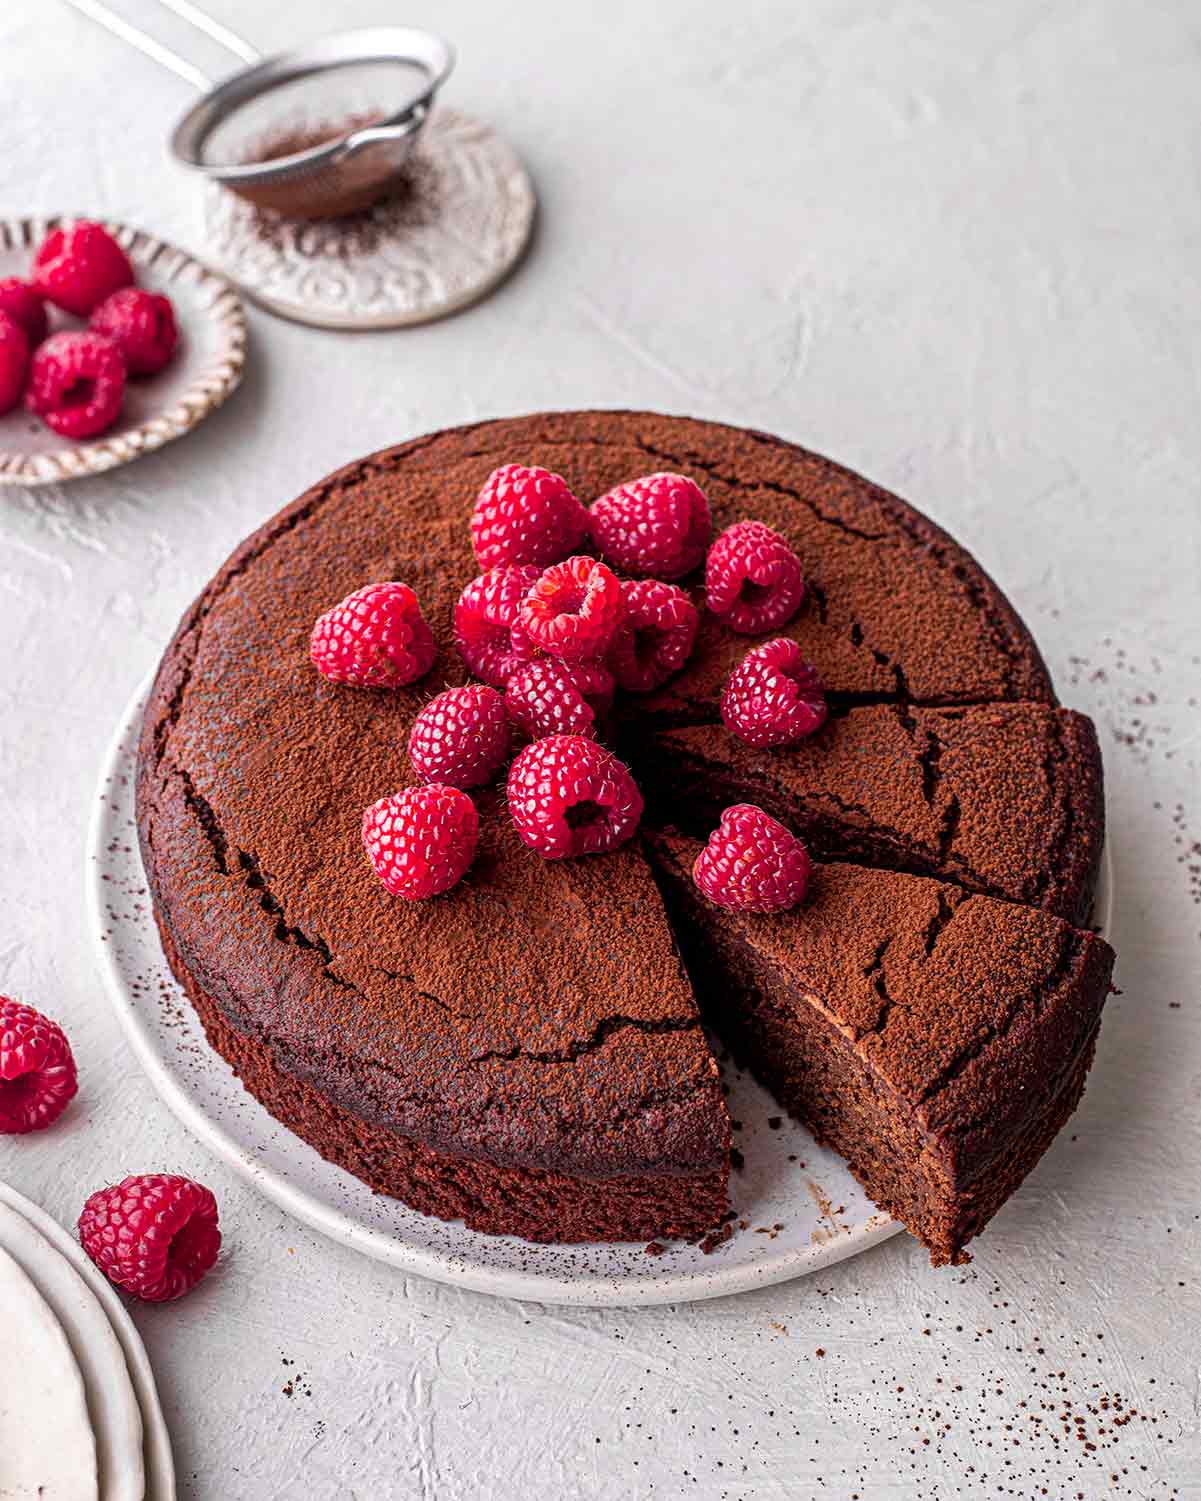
(1003, 799)
(935, 1038)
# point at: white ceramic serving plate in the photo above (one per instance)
(798, 1206)
(206, 368)
(133, 1447)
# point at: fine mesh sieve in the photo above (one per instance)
(311, 133)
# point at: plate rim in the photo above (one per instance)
(524, 1285)
(156, 1440)
(211, 388)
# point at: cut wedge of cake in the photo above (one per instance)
(935, 1038)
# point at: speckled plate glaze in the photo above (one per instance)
(797, 1207)
(444, 240)
(206, 369)
(122, 1397)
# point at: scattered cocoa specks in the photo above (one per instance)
(1134, 712)
(297, 1384)
(1139, 702)
(976, 1398)
(737, 1160)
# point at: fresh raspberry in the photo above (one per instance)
(76, 268)
(376, 638)
(774, 697)
(526, 516)
(24, 305)
(155, 1235)
(753, 579)
(572, 611)
(460, 737)
(752, 863)
(484, 622)
(553, 698)
(655, 637)
(421, 840)
(76, 384)
(570, 796)
(37, 1071)
(658, 525)
(14, 361)
(141, 325)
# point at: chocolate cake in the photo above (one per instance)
(935, 1038)
(525, 1052)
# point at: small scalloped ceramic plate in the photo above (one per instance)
(797, 1206)
(206, 368)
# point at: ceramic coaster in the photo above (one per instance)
(454, 229)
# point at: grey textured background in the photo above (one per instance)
(957, 246)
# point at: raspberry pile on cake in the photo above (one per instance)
(485, 769)
(554, 640)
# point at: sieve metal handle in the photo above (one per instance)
(373, 135)
(162, 54)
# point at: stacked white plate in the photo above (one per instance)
(79, 1414)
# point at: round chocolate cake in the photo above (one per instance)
(527, 1051)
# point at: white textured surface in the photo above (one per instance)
(956, 246)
